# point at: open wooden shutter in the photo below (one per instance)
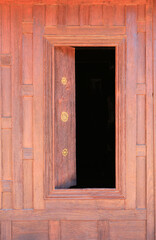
(64, 139)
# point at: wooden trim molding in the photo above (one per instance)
(119, 43)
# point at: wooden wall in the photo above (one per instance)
(25, 212)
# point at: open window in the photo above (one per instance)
(84, 117)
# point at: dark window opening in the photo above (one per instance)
(95, 117)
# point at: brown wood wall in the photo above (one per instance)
(26, 212)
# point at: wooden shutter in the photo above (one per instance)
(64, 137)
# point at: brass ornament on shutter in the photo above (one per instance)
(65, 152)
(64, 80)
(64, 116)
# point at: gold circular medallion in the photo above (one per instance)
(65, 152)
(64, 116)
(64, 80)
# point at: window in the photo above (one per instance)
(74, 79)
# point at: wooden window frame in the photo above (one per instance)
(119, 42)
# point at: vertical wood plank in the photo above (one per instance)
(16, 47)
(154, 78)
(141, 119)
(141, 58)
(61, 16)
(6, 154)
(108, 15)
(141, 182)
(65, 165)
(6, 92)
(27, 13)
(6, 29)
(149, 125)
(103, 230)
(7, 200)
(54, 230)
(73, 15)
(51, 15)
(38, 28)
(0, 111)
(84, 14)
(141, 11)
(130, 202)
(119, 15)
(27, 59)
(28, 184)
(6, 230)
(27, 122)
(96, 15)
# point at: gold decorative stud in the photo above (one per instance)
(65, 152)
(64, 116)
(64, 80)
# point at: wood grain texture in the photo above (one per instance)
(16, 47)
(27, 122)
(103, 230)
(37, 230)
(141, 119)
(38, 14)
(28, 184)
(51, 15)
(96, 15)
(131, 107)
(27, 59)
(141, 182)
(127, 230)
(141, 58)
(149, 126)
(79, 230)
(65, 165)
(54, 230)
(6, 28)
(27, 13)
(73, 15)
(7, 154)
(6, 92)
(6, 230)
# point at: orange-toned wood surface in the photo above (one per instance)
(30, 33)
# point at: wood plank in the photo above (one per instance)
(6, 92)
(6, 28)
(127, 230)
(79, 230)
(54, 230)
(16, 47)
(5, 60)
(141, 12)
(108, 15)
(141, 89)
(27, 59)
(154, 86)
(7, 154)
(6, 230)
(141, 28)
(149, 126)
(38, 27)
(76, 214)
(92, 30)
(131, 107)
(27, 27)
(6, 185)
(141, 182)
(0, 111)
(103, 230)
(141, 119)
(84, 15)
(27, 90)
(27, 13)
(51, 15)
(119, 15)
(61, 17)
(37, 230)
(7, 200)
(28, 153)
(73, 15)
(141, 58)
(27, 122)
(96, 15)
(81, 204)
(28, 184)
(64, 164)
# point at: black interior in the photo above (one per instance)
(95, 117)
